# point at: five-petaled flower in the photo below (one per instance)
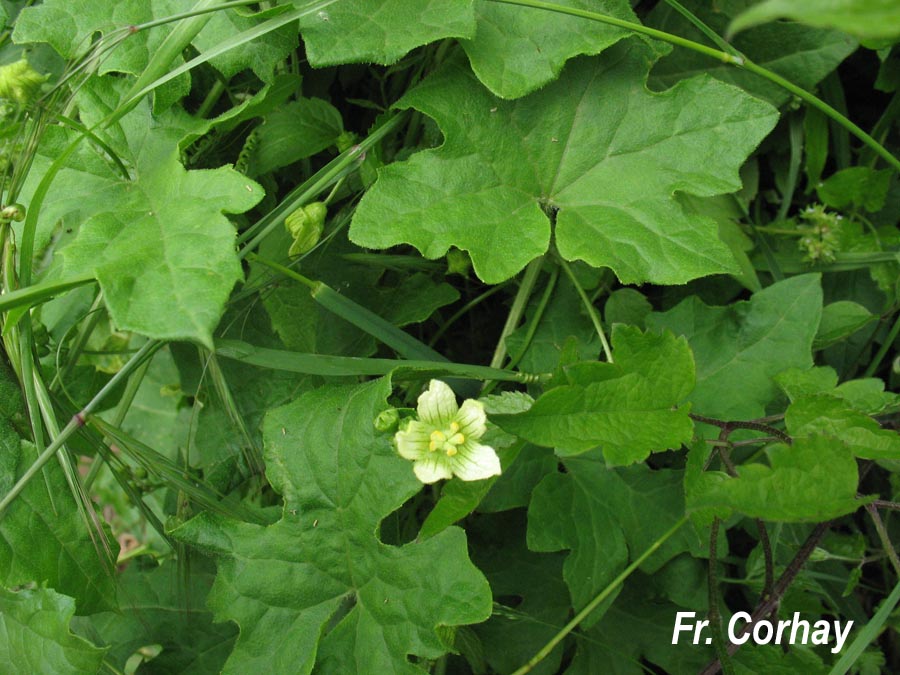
(443, 442)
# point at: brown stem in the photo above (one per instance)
(770, 604)
(767, 556)
(885, 504)
(731, 425)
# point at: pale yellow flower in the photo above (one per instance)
(443, 441)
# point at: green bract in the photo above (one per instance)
(443, 441)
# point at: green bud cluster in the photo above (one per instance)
(819, 240)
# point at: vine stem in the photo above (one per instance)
(603, 595)
(753, 425)
(770, 604)
(517, 310)
(732, 59)
(589, 307)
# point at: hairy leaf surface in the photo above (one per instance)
(813, 480)
(159, 244)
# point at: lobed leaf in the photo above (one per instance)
(813, 480)
(595, 150)
(318, 588)
(628, 408)
(516, 50)
(381, 31)
(159, 245)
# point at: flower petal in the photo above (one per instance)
(471, 419)
(437, 406)
(412, 440)
(432, 468)
(475, 461)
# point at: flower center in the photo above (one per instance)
(448, 440)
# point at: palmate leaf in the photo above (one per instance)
(595, 148)
(517, 50)
(318, 588)
(629, 408)
(381, 31)
(159, 244)
(35, 636)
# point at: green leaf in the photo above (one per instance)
(563, 319)
(381, 31)
(323, 589)
(797, 382)
(841, 319)
(864, 18)
(866, 395)
(295, 131)
(305, 326)
(531, 596)
(162, 609)
(635, 631)
(858, 186)
(579, 147)
(517, 50)
(35, 636)
(628, 306)
(802, 54)
(739, 348)
(830, 416)
(43, 537)
(159, 416)
(628, 408)
(67, 27)
(813, 480)
(159, 245)
(261, 55)
(601, 516)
